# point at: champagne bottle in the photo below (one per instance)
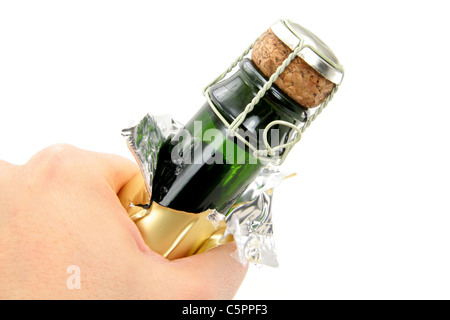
(205, 166)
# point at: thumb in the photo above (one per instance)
(218, 271)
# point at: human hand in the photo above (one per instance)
(61, 209)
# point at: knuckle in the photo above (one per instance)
(53, 156)
(55, 161)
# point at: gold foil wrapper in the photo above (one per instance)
(171, 233)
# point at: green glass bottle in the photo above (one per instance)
(202, 167)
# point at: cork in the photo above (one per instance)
(299, 80)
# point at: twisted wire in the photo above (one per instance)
(268, 154)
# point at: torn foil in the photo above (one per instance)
(250, 219)
(145, 140)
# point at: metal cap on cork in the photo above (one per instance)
(315, 52)
(311, 76)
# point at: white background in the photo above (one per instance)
(368, 215)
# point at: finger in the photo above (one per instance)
(116, 170)
(218, 270)
(63, 161)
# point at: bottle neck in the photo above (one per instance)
(232, 95)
